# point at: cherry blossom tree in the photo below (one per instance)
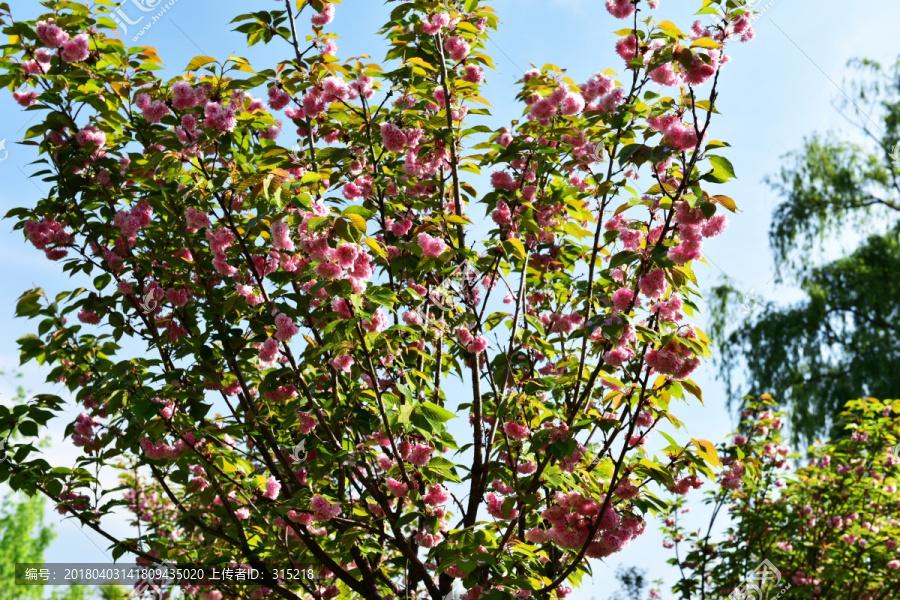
(279, 292)
(828, 531)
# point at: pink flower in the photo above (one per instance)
(325, 17)
(178, 298)
(464, 336)
(478, 345)
(91, 135)
(740, 440)
(88, 317)
(622, 298)
(645, 419)
(196, 220)
(665, 75)
(516, 431)
(715, 226)
(278, 98)
(434, 25)
(457, 48)
(596, 86)
(431, 246)
(572, 104)
(527, 468)
(393, 137)
(377, 323)
(184, 95)
(627, 48)
(700, 71)
(542, 110)
(25, 99)
(618, 356)
(51, 34)
(621, 9)
(351, 191)
(153, 111)
(242, 513)
(474, 74)
(397, 488)
(412, 318)
(342, 363)
(268, 351)
(626, 490)
(307, 422)
(324, 510)
(77, 49)
(673, 359)
(653, 285)
(281, 236)
(495, 508)
(502, 180)
(420, 455)
(437, 495)
(346, 254)
(330, 48)
(273, 488)
(328, 270)
(286, 329)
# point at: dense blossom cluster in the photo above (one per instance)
(302, 273)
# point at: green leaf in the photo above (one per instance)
(622, 258)
(722, 167)
(405, 412)
(28, 428)
(29, 304)
(433, 411)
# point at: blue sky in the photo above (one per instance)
(777, 89)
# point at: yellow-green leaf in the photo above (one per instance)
(358, 222)
(726, 202)
(707, 451)
(199, 62)
(670, 28)
(705, 42)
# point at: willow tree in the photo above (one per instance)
(841, 340)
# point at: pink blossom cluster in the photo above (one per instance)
(50, 236)
(84, 434)
(154, 110)
(675, 358)
(572, 518)
(131, 221)
(564, 100)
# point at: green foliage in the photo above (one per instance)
(829, 529)
(632, 582)
(24, 536)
